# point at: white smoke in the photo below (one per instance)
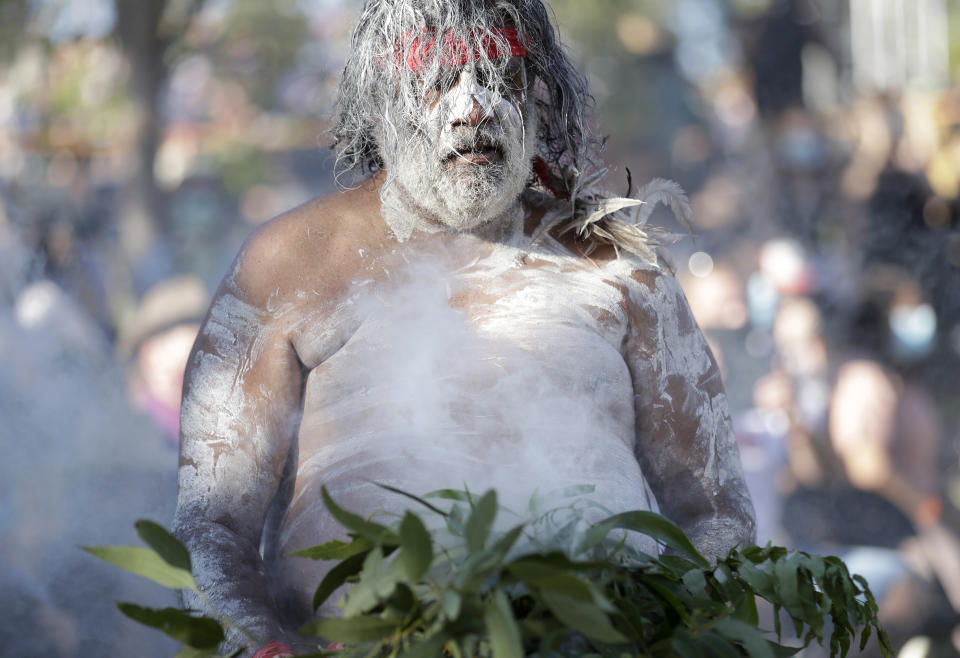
(78, 468)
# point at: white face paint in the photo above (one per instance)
(468, 164)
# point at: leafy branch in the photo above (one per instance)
(452, 581)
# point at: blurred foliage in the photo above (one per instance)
(260, 45)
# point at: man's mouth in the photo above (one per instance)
(479, 153)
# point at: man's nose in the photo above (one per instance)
(474, 117)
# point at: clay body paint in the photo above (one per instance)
(482, 364)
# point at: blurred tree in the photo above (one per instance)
(13, 16)
(620, 49)
(146, 30)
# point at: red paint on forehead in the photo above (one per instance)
(418, 52)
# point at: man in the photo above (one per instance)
(436, 327)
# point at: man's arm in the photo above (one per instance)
(685, 440)
(241, 410)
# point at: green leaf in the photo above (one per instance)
(761, 583)
(449, 494)
(684, 646)
(427, 648)
(335, 550)
(455, 520)
(747, 610)
(865, 637)
(648, 523)
(352, 631)
(450, 603)
(165, 544)
(695, 581)
(481, 519)
(144, 562)
(584, 616)
(416, 554)
(378, 580)
(373, 532)
(757, 554)
(409, 495)
(781, 651)
(502, 546)
(787, 585)
(337, 577)
(196, 632)
(190, 652)
(717, 646)
(750, 637)
(505, 639)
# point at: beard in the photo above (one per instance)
(466, 177)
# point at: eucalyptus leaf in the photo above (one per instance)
(190, 652)
(144, 562)
(449, 494)
(502, 546)
(378, 580)
(717, 646)
(416, 547)
(684, 645)
(648, 523)
(336, 577)
(451, 601)
(351, 631)
(505, 638)
(335, 550)
(428, 648)
(369, 530)
(478, 526)
(750, 637)
(582, 615)
(196, 632)
(407, 494)
(168, 547)
(746, 611)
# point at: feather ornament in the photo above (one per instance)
(621, 221)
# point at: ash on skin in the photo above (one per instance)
(422, 332)
(435, 180)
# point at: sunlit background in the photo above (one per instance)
(819, 141)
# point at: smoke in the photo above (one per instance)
(450, 382)
(79, 467)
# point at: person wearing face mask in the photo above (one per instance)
(475, 312)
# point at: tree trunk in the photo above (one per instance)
(144, 206)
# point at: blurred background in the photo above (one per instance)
(819, 141)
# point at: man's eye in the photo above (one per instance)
(445, 81)
(513, 77)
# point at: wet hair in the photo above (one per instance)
(380, 98)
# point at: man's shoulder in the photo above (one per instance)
(313, 245)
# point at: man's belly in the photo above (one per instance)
(525, 392)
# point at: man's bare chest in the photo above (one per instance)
(511, 300)
(470, 350)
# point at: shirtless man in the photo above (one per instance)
(432, 328)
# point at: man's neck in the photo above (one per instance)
(405, 216)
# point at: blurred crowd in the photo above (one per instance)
(824, 269)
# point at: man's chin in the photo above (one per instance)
(473, 203)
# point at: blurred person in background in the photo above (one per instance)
(866, 481)
(68, 478)
(157, 344)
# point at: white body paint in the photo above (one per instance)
(426, 191)
(484, 364)
(522, 387)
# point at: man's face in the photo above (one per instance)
(470, 159)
